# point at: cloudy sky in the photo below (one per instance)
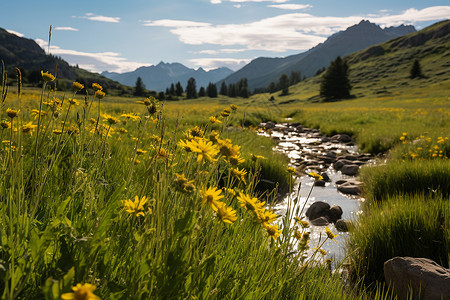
(119, 36)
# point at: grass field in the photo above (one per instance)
(163, 200)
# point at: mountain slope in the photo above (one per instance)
(383, 69)
(28, 56)
(354, 38)
(162, 75)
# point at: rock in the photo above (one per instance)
(426, 278)
(325, 176)
(335, 213)
(340, 163)
(318, 209)
(322, 221)
(319, 183)
(342, 225)
(342, 138)
(350, 170)
(269, 125)
(341, 181)
(349, 188)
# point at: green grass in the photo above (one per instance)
(403, 225)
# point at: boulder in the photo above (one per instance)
(341, 162)
(342, 138)
(269, 125)
(335, 213)
(424, 277)
(325, 177)
(342, 225)
(349, 188)
(319, 183)
(350, 170)
(322, 221)
(318, 209)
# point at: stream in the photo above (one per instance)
(339, 159)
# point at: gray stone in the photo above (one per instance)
(426, 278)
(318, 209)
(325, 177)
(269, 125)
(343, 138)
(322, 221)
(349, 188)
(319, 183)
(341, 162)
(342, 225)
(335, 213)
(350, 170)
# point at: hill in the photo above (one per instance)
(383, 70)
(162, 75)
(30, 58)
(261, 71)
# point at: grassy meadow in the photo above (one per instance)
(122, 198)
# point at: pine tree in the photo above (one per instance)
(191, 89)
(211, 90)
(139, 89)
(335, 82)
(284, 84)
(295, 78)
(178, 89)
(416, 70)
(202, 92)
(223, 89)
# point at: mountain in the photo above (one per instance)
(261, 71)
(162, 75)
(28, 56)
(383, 70)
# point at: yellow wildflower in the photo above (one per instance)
(273, 231)
(81, 292)
(290, 169)
(330, 234)
(211, 196)
(12, 113)
(236, 160)
(77, 86)
(5, 124)
(265, 216)
(256, 157)
(225, 214)
(28, 128)
(162, 153)
(203, 148)
(73, 101)
(182, 184)
(228, 149)
(214, 120)
(140, 152)
(110, 119)
(136, 206)
(233, 107)
(99, 94)
(214, 136)
(226, 112)
(97, 87)
(250, 203)
(240, 174)
(47, 76)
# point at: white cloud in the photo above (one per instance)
(14, 32)
(94, 62)
(66, 28)
(213, 63)
(291, 6)
(227, 51)
(237, 5)
(294, 31)
(242, 1)
(99, 18)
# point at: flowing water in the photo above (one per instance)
(303, 145)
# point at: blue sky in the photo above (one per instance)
(120, 36)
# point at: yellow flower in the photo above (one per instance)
(131, 117)
(273, 231)
(11, 113)
(233, 107)
(236, 160)
(330, 234)
(97, 87)
(315, 175)
(225, 214)
(214, 136)
(211, 196)
(99, 94)
(214, 120)
(110, 119)
(226, 112)
(182, 184)
(28, 128)
(402, 138)
(184, 145)
(57, 131)
(228, 149)
(240, 174)
(250, 203)
(297, 235)
(77, 86)
(162, 154)
(230, 191)
(136, 206)
(265, 216)
(256, 157)
(203, 148)
(47, 76)
(73, 101)
(323, 252)
(290, 169)
(140, 152)
(5, 124)
(81, 292)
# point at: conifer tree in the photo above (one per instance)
(284, 84)
(191, 89)
(223, 89)
(335, 82)
(178, 89)
(139, 89)
(416, 70)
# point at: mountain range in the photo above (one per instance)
(162, 75)
(262, 71)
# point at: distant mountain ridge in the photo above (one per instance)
(162, 75)
(261, 71)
